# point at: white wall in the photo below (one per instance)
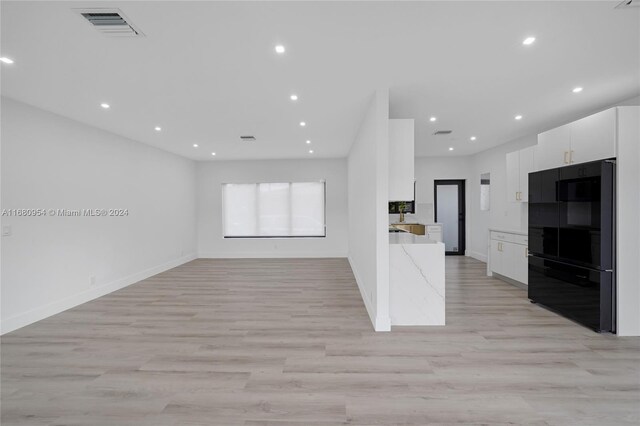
(51, 162)
(502, 212)
(368, 190)
(211, 176)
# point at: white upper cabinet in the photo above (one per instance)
(594, 137)
(519, 165)
(527, 165)
(401, 159)
(513, 176)
(589, 139)
(553, 148)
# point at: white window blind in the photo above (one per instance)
(274, 209)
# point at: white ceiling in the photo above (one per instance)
(206, 72)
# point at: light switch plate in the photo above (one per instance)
(6, 230)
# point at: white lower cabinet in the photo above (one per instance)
(508, 255)
(496, 257)
(516, 262)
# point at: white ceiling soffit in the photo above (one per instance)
(206, 72)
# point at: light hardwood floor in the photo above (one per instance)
(288, 342)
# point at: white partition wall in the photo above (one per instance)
(628, 222)
(368, 190)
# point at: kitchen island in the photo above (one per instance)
(416, 280)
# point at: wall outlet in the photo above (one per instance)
(6, 230)
(93, 281)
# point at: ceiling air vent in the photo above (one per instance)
(110, 22)
(247, 138)
(443, 132)
(626, 4)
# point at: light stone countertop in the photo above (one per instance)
(511, 231)
(408, 238)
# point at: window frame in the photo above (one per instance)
(287, 237)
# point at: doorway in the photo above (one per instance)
(449, 210)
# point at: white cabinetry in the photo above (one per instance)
(553, 148)
(519, 165)
(611, 133)
(434, 232)
(594, 137)
(508, 255)
(589, 139)
(496, 264)
(401, 159)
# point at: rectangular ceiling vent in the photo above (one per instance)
(110, 22)
(443, 132)
(626, 4)
(247, 138)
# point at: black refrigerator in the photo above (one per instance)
(571, 242)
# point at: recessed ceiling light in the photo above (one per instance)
(158, 129)
(310, 151)
(473, 138)
(280, 49)
(308, 141)
(302, 123)
(518, 117)
(213, 153)
(577, 90)
(529, 40)
(6, 60)
(450, 148)
(294, 97)
(432, 119)
(105, 106)
(195, 145)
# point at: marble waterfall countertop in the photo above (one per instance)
(416, 280)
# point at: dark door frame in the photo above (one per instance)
(462, 215)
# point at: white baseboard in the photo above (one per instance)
(40, 313)
(363, 292)
(276, 254)
(478, 256)
(383, 324)
(511, 281)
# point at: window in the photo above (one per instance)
(271, 210)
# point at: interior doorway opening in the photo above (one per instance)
(449, 198)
